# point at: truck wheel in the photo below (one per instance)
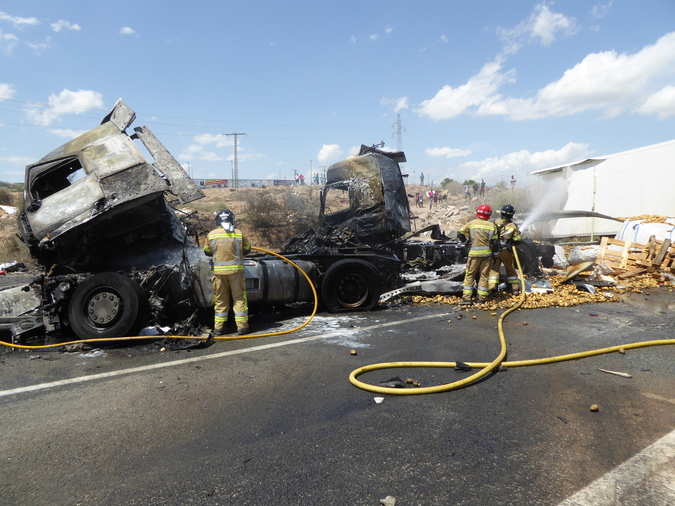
(107, 305)
(350, 285)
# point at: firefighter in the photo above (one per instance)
(509, 236)
(227, 245)
(481, 233)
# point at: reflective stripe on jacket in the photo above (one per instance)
(227, 249)
(480, 232)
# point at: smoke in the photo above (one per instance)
(553, 196)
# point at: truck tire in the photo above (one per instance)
(350, 285)
(107, 305)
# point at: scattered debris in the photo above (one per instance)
(388, 501)
(378, 400)
(630, 259)
(615, 373)
(462, 367)
(595, 408)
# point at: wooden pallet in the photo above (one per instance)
(631, 259)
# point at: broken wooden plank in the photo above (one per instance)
(663, 251)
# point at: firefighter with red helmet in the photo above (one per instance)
(227, 245)
(509, 235)
(481, 233)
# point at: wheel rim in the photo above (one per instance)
(103, 309)
(352, 290)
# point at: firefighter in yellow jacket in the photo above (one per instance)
(509, 235)
(481, 232)
(228, 246)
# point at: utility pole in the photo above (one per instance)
(235, 166)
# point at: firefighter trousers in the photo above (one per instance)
(477, 269)
(226, 286)
(505, 257)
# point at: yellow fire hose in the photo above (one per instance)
(485, 367)
(219, 338)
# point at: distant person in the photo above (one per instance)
(421, 178)
(509, 235)
(467, 191)
(475, 189)
(480, 233)
(482, 187)
(513, 183)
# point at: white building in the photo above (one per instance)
(628, 184)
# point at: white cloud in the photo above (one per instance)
(443, 38)
(67, 133)
(353, 151)
(21, 160)
(18, 22)
(126, 30)
(521, 163)
(542, 26)
(660, 104)
(604, 81)
(219, 140)
(607, 81)
(8, 41)
(62, 24)
(7, 91)
(352, 39)
(481, 88)
(401, 103)
(374, 36)
(65, 103)
(388, 29)
(601, 10)
(39, 47)
(446, 152)
(329, 153)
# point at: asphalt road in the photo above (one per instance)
(275, 420)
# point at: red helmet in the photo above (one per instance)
(484, 211)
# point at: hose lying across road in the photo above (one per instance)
(217, 338)
(485, 368)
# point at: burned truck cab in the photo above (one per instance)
(97, 219)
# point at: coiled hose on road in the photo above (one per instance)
(485, 368)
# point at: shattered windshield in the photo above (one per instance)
(54, 176)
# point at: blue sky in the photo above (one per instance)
(483, 89)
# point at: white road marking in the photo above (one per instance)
(112, 374)
(652, 468)
(658, 397)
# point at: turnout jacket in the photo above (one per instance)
(508, 232)
(227, 249)
(481, 233)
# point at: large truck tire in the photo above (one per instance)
(350, 285)
(107, 305)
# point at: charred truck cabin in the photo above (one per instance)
(115, 254)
